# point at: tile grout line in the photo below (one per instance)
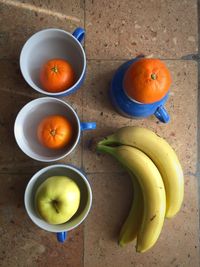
(198, 117)
(92, 173)
(191, 57)
(82, 145)
(126, 59)
(198, 145)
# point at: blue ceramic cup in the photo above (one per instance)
(49, 44)
(131, 108)
(85, 198)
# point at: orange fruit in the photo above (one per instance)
(57, 75)
(54, 132)
(147, 80)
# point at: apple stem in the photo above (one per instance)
(55, 203)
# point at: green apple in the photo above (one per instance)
(57, 199)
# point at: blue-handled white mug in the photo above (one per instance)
(129, 107)
(49, 44)
(85, 198)
(28, 119)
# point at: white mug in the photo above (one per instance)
(28, 119)
(85, 198)
(50, 44)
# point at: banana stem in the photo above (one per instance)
(109, 140)
(106, 149)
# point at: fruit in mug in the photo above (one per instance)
(147, 80)
(57, 199)
(55, 131)
(57, 75)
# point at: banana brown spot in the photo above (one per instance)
(153, 217)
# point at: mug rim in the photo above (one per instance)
(40, 90)
(39, 100)
(157, 103)
(43, 170)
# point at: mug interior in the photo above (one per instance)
(57, 170)
(27, 122)
(49, 44)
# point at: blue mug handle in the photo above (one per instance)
(88, 126)
(79, 34)
(162, 115)
(61, 236)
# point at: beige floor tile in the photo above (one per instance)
(124, 29)
(112, 194)
(181, 132)
(115, 31)
(15, 93)
(23, 243)
(32, 16)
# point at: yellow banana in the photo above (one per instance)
(132, 223)
(164, 157)
(153, 191)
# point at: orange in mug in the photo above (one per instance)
(55, 131)
(57, 75)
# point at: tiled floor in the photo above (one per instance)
(115, 32)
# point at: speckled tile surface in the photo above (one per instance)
(124, 29)
(32, 16)
(115, 31)
(98, 105)
(178, 242)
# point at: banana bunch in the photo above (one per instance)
(157, 180)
